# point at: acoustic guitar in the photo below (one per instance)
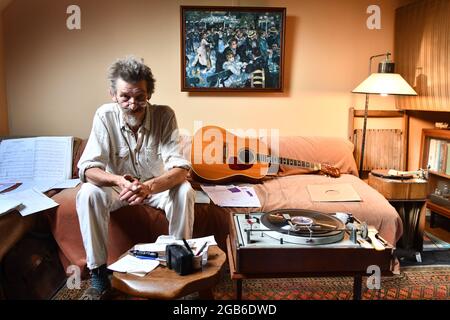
(219, 156)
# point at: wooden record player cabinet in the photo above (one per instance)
(408, 197)
(304, 261)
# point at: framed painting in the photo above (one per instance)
(232, 48)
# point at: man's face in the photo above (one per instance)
(132, 98)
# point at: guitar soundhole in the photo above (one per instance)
(243, 162)
(246, 156)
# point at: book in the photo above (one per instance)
(442, 157)
(39, 158)
(447, 169)
(432, 154)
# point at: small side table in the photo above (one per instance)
(163, 283)
(408, 197)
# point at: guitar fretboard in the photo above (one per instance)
(289, 162)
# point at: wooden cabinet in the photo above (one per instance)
(408, 197)
(435, 155)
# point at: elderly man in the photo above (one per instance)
(132, 157)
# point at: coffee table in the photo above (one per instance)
(163, 283)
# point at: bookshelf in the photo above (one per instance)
(435, 154)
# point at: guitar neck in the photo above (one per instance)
(290, 162)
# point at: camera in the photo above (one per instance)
(179, 259)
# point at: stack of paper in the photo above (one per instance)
(42, 163)
(232, 196)
(141, 267)
(38, 164)
(163, 240)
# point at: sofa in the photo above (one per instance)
(287, 189)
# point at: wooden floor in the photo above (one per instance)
(442, 229)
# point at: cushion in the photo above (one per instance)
(78, 148)
(337, 152)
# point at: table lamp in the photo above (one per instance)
(384, 82)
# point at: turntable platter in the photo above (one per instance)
(303, 226)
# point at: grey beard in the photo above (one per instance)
(132, 120)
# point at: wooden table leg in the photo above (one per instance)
(357, 287)
(412, 213)
(238, 293)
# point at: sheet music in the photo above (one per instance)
(17, 159)
(41, 158)
(53, 158)
(31, 200)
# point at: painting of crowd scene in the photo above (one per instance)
(232, 48)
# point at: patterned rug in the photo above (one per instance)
(413, 283)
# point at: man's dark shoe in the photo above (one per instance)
(100, 285)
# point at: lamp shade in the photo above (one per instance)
(385, 83)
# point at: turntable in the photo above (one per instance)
(303, 227)
(296, 243)
(289, 228)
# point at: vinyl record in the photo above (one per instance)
(303, 223)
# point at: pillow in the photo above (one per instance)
(337, 152)
(78, 148)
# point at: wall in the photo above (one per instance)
(422, 35)
(4, 130)
(56, 77)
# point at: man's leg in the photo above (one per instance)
(93, 207)
(178, 204)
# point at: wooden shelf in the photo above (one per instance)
(435, 179)
(443, 175)
(438, 209)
